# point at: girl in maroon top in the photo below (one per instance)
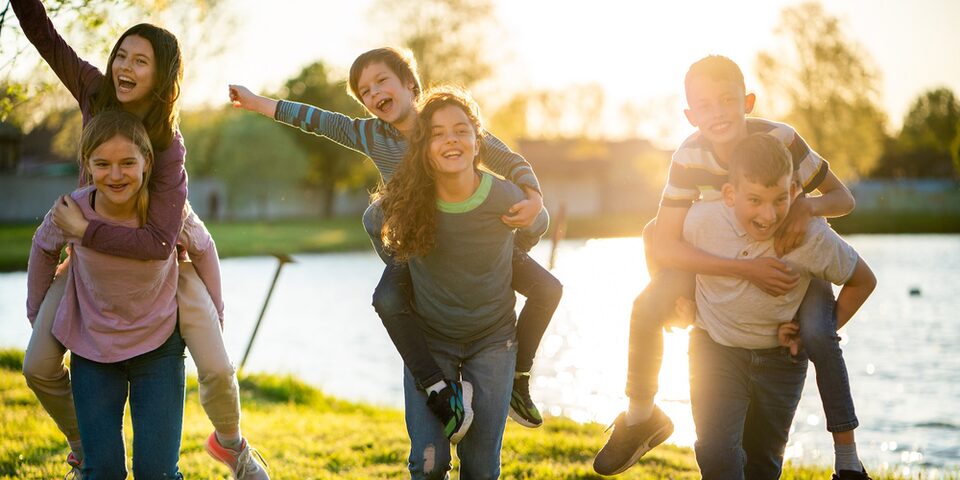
(143, 77)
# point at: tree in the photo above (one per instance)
(926, 144)
(332, 166)
(829, 88)
(255, 159)
(447, 37)
(26, 83)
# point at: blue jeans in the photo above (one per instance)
(743, 403)
(394, 294)
(155, 381)
(818, 333)
(488, 364)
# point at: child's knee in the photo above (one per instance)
(373, 220)
(431, 463)
(38, 372)
(389, 299)
(218, 376)
(548, 292)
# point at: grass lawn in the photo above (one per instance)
(305, 434)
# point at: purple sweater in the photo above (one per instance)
(168, 185)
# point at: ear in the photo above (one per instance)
(729, 194)
(690, 117)
(795, 189)
(748, 102)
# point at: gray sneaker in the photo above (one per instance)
(628, 443)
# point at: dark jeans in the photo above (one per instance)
(393, 299)
(155, 382)
(743, 403)
(818, 332)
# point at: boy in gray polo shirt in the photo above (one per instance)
(744, 388)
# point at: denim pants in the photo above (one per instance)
(155, 381)
(818, 333)
(743, 404)
(393, 297)
(488, 364)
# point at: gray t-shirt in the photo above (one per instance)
(734, 311)
(462, 287)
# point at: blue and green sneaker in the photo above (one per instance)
(453, 406)
(522, 408)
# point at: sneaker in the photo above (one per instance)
(851, 475)
(628, 443)
(243, 464)
(453, 406)
(75, 463)
(522, 408)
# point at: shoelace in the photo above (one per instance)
(73, 474)
(246, 463)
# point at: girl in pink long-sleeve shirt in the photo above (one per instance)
(118, 315)
(143, 77)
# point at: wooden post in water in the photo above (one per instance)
(559, 231)
(283, 259)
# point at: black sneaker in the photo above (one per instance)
(851, 475)
(453, 406)
(522, 408)
(628, 443)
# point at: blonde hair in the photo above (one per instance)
(108, 124)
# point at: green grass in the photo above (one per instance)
(304, 434)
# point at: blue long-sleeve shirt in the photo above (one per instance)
(386, 146)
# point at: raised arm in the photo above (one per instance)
(48, 241)
(80, 77)
(854, 292)
(156, 239)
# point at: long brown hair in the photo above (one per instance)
(161, 120)
(107, 125)
(409, 200)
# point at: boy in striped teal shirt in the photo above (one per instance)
(385, 81)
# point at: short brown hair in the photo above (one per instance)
(715, 67)
(760, 158)
(399, 61)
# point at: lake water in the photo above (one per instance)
(900, 349)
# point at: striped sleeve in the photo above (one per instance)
(681, 189)
(498, 157)
(355, 134)
(811, 168)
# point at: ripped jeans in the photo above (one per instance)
(487, 363)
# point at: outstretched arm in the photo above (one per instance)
(242, 97)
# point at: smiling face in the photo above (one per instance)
(386, 96)
(717, 107)
(134, 74)
(760, 208)
(453, 141)
(117, 166)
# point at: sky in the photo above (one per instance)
(637, 51)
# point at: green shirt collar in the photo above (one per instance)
(473, 201)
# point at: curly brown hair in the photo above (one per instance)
(409, 200)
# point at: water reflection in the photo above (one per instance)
(900, 350)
